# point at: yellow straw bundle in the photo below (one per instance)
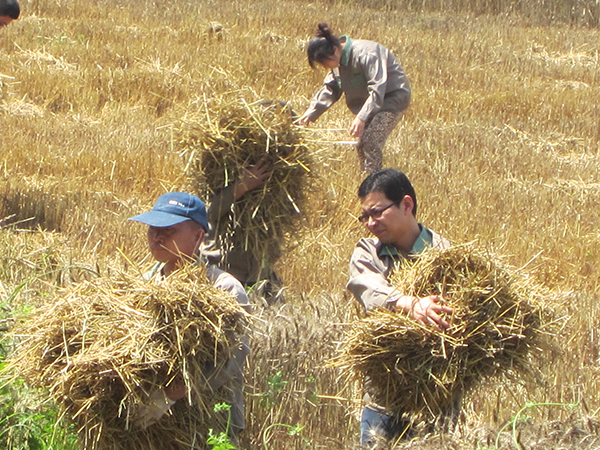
(104, 346)
(242, 136)
(414, 369)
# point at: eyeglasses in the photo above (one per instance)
(375, 213)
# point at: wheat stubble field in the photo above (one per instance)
(501, 142)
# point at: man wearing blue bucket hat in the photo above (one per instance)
(177, 224)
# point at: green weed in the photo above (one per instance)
(520, 416)
(221, 440)
(292, 430)
(275, 384)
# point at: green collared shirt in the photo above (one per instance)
(424, 241)
(345, 58)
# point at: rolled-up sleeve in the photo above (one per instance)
(368, 278)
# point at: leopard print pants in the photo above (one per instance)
(370, 144)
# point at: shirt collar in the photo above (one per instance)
(345, 58)
(424, 241)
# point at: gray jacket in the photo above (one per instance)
(372, 262)
(371, 78)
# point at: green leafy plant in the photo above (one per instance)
(31, 428)
(221, 441)
(311, 394)
(25, 424)
(275, 384)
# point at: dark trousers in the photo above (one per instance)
(379, 427)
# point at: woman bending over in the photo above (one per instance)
(376, 88)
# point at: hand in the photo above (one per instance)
(176, 390)
(304, 121)
(157, 406)
(252, 177)
(426, 310)
(357, 128)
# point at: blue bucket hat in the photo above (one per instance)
(173, 208)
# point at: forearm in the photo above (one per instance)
(323, 99)
(176, 390)
(239, 189)
(404, 303)
(220, 204)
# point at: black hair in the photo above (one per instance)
(393, 183)
(10, 8)
(323, 46)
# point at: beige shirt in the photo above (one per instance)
(372, 262)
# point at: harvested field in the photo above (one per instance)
(501, 142)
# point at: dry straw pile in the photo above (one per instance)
(104, 346)
(414, 369)
(237, 136)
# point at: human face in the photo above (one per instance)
(393, 223)
(175, 244)
(334, 61)
(374, 213)
(5, 21)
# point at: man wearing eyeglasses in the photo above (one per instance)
(389, 206)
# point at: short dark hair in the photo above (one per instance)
(323, 46)
(10, 8)
(393, 183)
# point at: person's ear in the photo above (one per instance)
(407, 204)
(200, 232)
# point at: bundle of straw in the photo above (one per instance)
(220, 149)
(104, 346)
(414, 369)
